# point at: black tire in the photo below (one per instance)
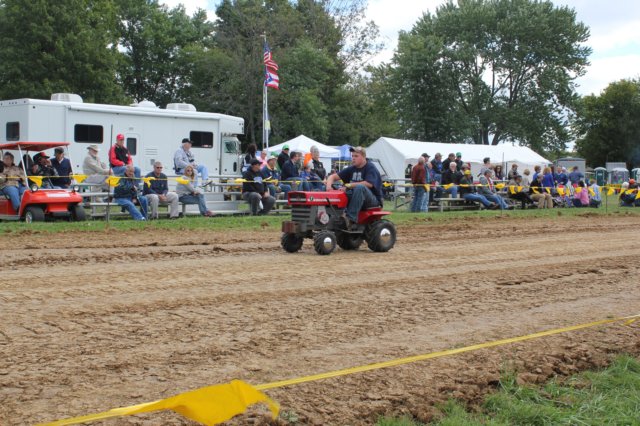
(324, 242)
(292, 243)
(347, 241)
(34, 214)
(78, 214)
(381, 236)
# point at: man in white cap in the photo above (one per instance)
(96, 170)
(184, 157)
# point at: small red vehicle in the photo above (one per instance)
(319, 216)
(38, 204)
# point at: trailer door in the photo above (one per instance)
(231, 155)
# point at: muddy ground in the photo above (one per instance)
(93, 321)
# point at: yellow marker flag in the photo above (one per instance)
(447, 186)
(79, 178)
(561, 192)
(147, 180)
(520, 189)
(512, 189)
(592, 192)
(113, 180)
(638, 195)
(611, 191)
(209, 405)
(182, 180)
(535, 191)
(499, 185)
(578, 189)
(239, 180)
(36, 179)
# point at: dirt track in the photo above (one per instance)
(113, 319)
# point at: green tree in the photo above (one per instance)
(607, 125)
(58, 46)
(159, 47)
(486, 71)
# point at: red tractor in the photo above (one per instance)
(319, 216)
(38, 204)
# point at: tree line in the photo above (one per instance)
(474, 71)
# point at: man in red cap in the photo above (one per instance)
(119, 157)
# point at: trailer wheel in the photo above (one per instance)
(324, 242)
(381, 236)
(78, 214)
(347, 241)
(34, 214)
(292, 243)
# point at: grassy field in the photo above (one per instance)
(611, 397)
(400, 217)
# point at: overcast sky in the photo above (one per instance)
(614, 25)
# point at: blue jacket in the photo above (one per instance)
(158, 186)
(289, 170)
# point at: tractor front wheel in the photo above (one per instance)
(381, 236)
(292, 243)
(324, 242)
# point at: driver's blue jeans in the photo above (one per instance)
(360, 197)
(15, 194)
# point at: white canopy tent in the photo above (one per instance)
(396, 154)
(303, 144)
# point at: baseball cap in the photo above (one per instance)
(42, 155)
(120, 137)
(424, 154)
(186, 140)
(632, 181)
(94, 148)
(358, 149)
(59, 150)
(254, 162)
(458, 154)
(285, 146)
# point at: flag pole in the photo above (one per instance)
(265, 107)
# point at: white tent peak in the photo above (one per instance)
(303, 144)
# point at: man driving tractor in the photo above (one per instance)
(363, 185)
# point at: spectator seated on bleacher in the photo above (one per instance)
(487, 188)
(189, 194)
(595, 194)
(451, 178)
(469, 192)
(97, 171)
(271, 178)
(127, 194)
(254, 191)
(539, 194)
(157, 192)
(516, 191)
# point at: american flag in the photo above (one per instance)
(270, 69)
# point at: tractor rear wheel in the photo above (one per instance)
(347, 241)
(292, 243)
(381, 236)
(324, 242)
(77, 213)
(34, 214)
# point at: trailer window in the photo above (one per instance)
(13, 131)
(88, 133)
(132, 145)
(201, 139)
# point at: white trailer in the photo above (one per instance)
(151, 133)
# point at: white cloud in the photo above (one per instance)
(606, 70)
(191, 6)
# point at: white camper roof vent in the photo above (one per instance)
(181, 107)
(144, 104)
(66, 97)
